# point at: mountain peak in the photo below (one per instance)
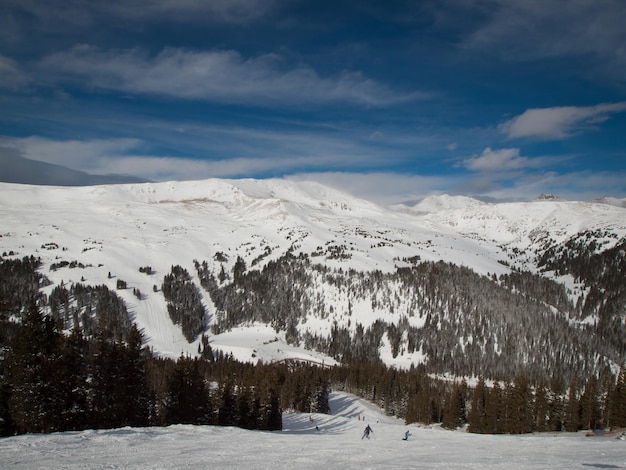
(440, 202)
(548, 197)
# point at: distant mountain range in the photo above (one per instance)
(17, 169)
(276, 270)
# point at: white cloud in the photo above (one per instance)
(575, 186)
(218, 75)
(499, 173)
(159, 168)
(262, 153)
(499, 160)
(382, 187)
(558, 122)
(88, 155)
(124, 156)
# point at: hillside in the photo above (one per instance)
(283, 270)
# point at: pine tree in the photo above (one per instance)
(35, 401)
(271, 416)
(107, 387)
(589, 406)
(477, 416)
(321, 397)
(556, 407)
(495, 410)
(247, 413)
(7, 427)
(227, 414)
(74, 371)
(454, 411)
(133, 380)
(571, 421)
(188, 400)
(541, 409)
(520, 415)
(617, 402)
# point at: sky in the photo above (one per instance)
(390, 101)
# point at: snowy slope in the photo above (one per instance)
(337, 444)
(118, 229)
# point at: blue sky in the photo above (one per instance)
(389, 100)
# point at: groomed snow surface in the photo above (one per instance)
(337, 445)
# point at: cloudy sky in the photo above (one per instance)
(390, 100)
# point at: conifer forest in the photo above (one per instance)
(74, 360)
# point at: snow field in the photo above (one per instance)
(337, 444)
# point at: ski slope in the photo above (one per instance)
(337, 444)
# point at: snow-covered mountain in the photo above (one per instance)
(107, 233)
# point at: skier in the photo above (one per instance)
(367, 432)
(407, 434)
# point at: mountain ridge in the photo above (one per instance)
(114, 230)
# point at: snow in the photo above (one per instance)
(337, 444)
(441, 202)
(259, 341)
(119, 228)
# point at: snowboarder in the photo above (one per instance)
(367, 432)
(406, 436)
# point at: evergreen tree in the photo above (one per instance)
(188, 400)
(571, 422)
(271, 415)
(184, 302)
(7, 427)
(520, 413)
(454, 408)
(133, 380)
(35, 401)
(74, 372)
(541, 409)
(247, 411)
(322, 393)
(617, 402)
(227, 414)
(589, 407)
(107, 386)
(495, 410)
(477, 416)
(301, 391)
(556, 407)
